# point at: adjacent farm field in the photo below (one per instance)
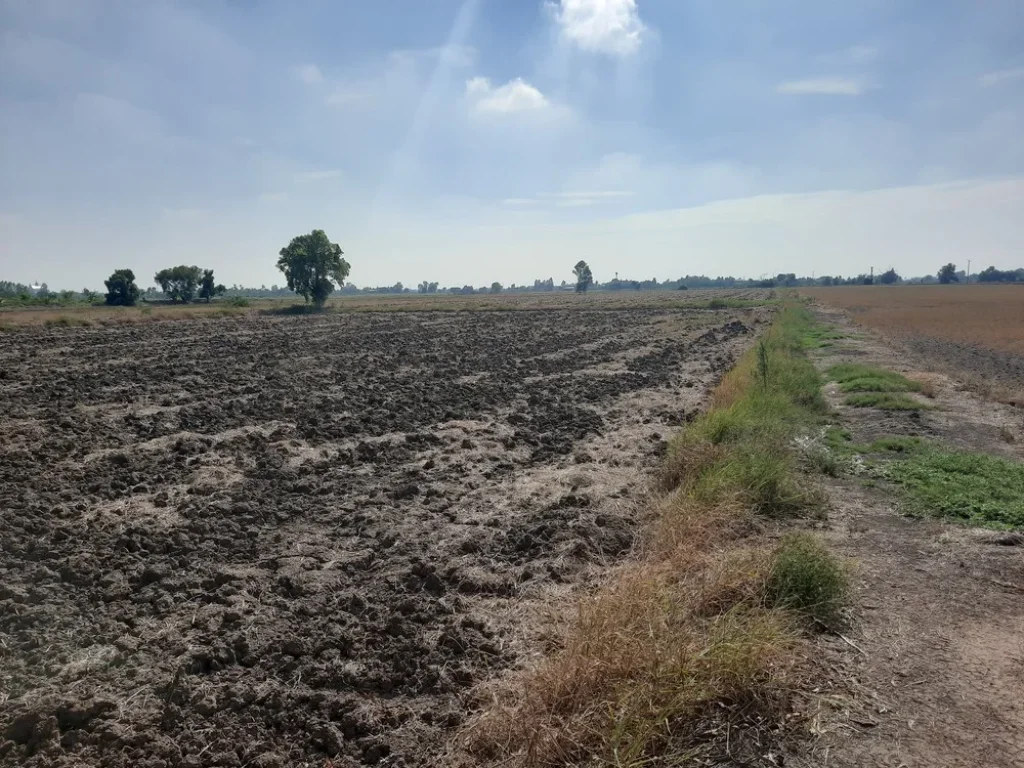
(975, 329)
(273, 541)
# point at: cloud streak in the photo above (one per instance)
(991, 79)
(822, 86)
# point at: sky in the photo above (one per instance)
(467, 141)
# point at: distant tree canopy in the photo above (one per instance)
(426, 287)
(7, 288)
(495, 287)
(947, 274)
(121, 289)
(993, 275)
(889, 277)
(313, 265)
(208, 288)
(179, 283)
(584, 277)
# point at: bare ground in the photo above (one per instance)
(287, 541)
(931, 670)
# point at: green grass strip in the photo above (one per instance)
(886, 401)
(975, 488)
(854, 377)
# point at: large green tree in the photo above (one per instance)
(121, 289)
(313, 265)
(584, 277)
(208, 287)
(948, 274)
(179, 283)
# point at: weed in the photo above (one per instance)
(764, 480)
(762, 364)
(808, 578)
(238, 301)
(718, 304)
(820, 459)
(1007, 434)
(975, 488)
(893, 444)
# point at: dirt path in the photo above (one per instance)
(931, 671)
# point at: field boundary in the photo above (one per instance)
(697, 646)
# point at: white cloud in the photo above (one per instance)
(308, 176)
(601, 26)
(994, 78)
(823, 86)
(514, 96)
(310, 74)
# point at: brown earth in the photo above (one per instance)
(931, 669)
(266, 541)
(975, 332)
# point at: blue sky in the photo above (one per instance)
(477, 140)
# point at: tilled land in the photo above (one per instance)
(283, 541)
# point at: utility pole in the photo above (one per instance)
(968, 271)
(872, 276)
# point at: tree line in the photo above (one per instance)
(314, 268)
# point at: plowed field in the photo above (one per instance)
(274, 541)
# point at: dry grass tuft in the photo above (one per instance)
(672, 643)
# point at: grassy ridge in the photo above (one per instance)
(706, 625)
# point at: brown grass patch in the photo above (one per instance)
(928, 384)
(673, 647)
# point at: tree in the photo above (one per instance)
(179, 283)
(312, 265)
(208, 288)
(495, 287)
(948, 274)
(584, 277)
(121, 289)
(889, 277)
(89, 295)
(993, 275)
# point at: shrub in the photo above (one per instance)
(238, 301)
(806, 577)
(718, 304)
